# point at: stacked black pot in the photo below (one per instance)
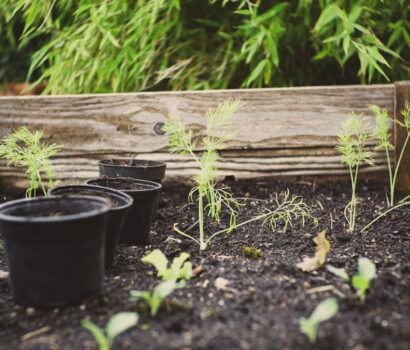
(58, 247)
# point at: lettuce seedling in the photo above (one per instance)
(352, 146)
(25, 149)
(361, 281)
(327, 309)
(155, 298)
(117, 324)
(383, 136)
(180, 269)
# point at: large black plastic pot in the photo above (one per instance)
(54, 248)
(138, 221)
(135, 168)
(120, 203)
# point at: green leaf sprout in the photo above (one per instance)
(117, 324)
(361, 281)
(155, 298)
(327, 309)
(24, 148)
(180, 269)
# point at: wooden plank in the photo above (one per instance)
(401, 95)
(280, 131)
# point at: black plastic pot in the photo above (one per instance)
(120, 203)
(54, 248)
(135, 168)
(138, 221)
(141, 169)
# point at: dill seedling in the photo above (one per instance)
(205, 192)
(24, 148)
(383, 136)
(352, 146)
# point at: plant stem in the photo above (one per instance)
(256, 218)
(396, 170)
(202, 243)
(384, 214)
(389, 203)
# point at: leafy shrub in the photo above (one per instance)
(101, 46)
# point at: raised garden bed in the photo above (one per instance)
(243, 279)
(262, 303)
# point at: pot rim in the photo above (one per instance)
(156, 163)
(115, 193)
(151, 185)
(104, 208)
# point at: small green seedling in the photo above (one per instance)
(352, 146)
(24, 148)
(210, 198)
(383, 136)
(180, 269)
(365, 273)
(361, 281)
(117, 324)
(155, 298)
(252, 253)
(327, 309)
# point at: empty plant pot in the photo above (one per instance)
(120, 203)
(54, 248)
(135, 168)
(141, 169)
(138, 221)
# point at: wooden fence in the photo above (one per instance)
(280, 131)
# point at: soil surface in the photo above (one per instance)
(259, 303)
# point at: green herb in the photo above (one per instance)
(383, 136)
(180, 269)
(327, 309)
(155, 298)
(24, 148)
(210, 198)
(361, 281)
(117, 324)
(341, 273)
(352, 146)
(365, 273)
(252, 252)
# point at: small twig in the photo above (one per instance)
(326, 288)
(35, 333)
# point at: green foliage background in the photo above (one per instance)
(124, 45)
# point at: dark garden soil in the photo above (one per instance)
(261, 305)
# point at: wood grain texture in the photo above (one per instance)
(280, 131)
(401, 95)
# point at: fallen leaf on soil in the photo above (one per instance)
(3, 275)
(322, 248)
(221, 283)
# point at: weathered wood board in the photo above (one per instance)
(280, 131)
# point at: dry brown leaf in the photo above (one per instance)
(322, 248)
(221, 283)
